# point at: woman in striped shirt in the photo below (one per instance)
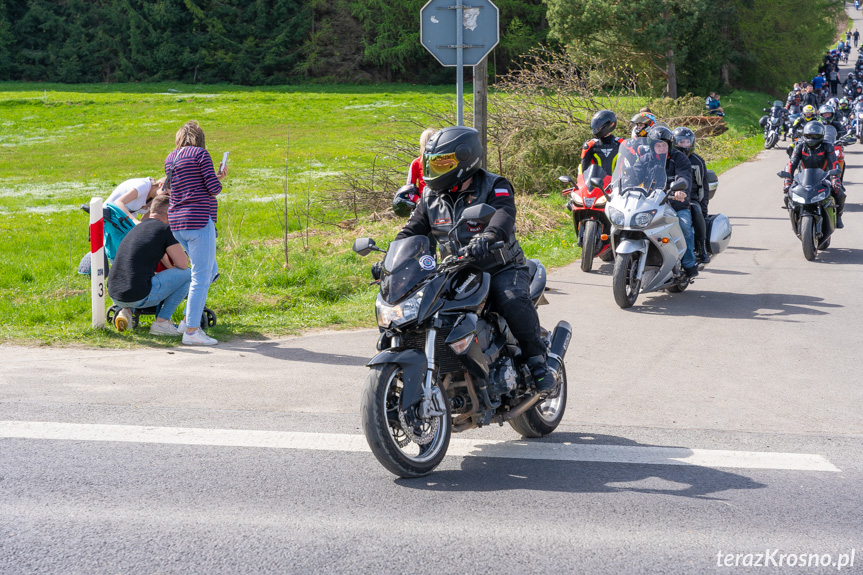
(192, 216)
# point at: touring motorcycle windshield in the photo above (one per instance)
(830, 134)
(408, 262)
(640, 165)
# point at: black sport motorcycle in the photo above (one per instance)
(447, 362)
(811, 208)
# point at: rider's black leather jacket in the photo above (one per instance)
(438, 212)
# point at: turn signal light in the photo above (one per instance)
(665, 240)
(604, 237)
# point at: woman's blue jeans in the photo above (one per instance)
(201, 246)
(169, 288)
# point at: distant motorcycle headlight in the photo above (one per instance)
(616, 216)
(399, 314)
(643, 219)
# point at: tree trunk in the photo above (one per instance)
(671, 74)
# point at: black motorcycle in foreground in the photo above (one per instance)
(447, 362)
(811, 208)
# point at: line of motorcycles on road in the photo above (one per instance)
(634, 226)
(811, 207)
(448, 363)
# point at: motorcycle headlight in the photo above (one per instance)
(797, 198)
(399, 314)
(820, 197)
(643, 219)
(576, 199)
(616, 216)
(600, 201)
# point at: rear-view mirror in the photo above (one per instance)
(363, 246)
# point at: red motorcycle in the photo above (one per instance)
(588, 216)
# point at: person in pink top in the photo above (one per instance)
(415, 174)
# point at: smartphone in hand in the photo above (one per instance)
(224, 163)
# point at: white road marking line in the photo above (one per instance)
(517, 449)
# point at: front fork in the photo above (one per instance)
(432, 404)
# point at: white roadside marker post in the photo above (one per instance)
(97, 263)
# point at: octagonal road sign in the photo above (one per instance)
(438, 31)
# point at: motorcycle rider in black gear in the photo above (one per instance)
(454, 181)
(602, 149)
(678, 167)
(815, 153)
(684, 140)
(828, 117)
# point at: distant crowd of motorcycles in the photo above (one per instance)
(820, 118)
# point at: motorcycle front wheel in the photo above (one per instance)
(588, 245)
(771, 140)
(623, 280)
(404, 444)
(544, 417)
(807, 237)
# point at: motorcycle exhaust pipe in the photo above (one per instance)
(559, 343)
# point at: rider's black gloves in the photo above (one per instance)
(480, 245)
(376, 270)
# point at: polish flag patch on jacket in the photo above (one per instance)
(499, 192)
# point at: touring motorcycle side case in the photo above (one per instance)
(719, 232)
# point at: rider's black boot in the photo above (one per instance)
(701, 252)
(543, 377)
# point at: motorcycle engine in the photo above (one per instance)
(503, 377)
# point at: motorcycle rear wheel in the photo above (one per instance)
(544, 417)
(679, 287)
(588, 245)
(623, 283)
(807, 237)
(384, 432)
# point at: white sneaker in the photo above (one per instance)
(198, 338)
(123, 319)
(163, 328)
(181, 329)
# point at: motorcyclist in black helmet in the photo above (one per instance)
(827, 115)
(815, 153)
(684, 140)
(678, 167)
(602, 149)
(454, 181)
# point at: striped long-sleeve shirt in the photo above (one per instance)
(194, 187)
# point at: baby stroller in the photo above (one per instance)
(117, 224)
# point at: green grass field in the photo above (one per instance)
(62, 145)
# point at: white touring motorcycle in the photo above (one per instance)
(647, 238)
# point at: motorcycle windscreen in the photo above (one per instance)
(811, 178)
(640, 166)
(408, 262)
(830, 134)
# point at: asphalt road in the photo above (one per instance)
(247, 458)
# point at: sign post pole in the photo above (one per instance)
(97, 263)
(459, 41)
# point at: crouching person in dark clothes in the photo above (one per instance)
(134, 282)
(454, 181)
